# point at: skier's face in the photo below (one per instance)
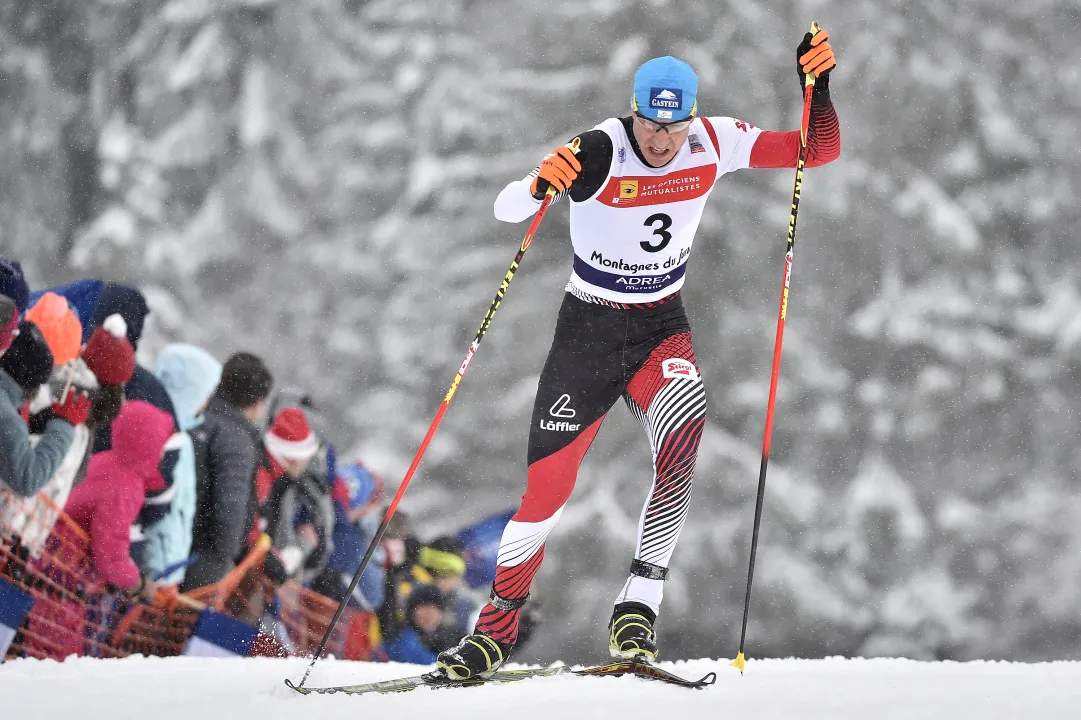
(658, 146)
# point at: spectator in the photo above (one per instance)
(82, 296)
(107, 503)
(189, 374)
(14, 297)
(417, 641)
(110, 356)
(402, 550)
(10, 317)
(325, 461)
(104, 365)
(130, 304)
(294, 500)
(31, 518)
(25, 366)
(442, 564)
(357, 494)
(59, 326)
(225, 458)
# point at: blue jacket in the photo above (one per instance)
(189, 374)
(408, 648)
(350, 544)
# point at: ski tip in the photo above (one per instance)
(739, 663)
(301, 690)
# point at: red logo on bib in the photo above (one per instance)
(641, 190)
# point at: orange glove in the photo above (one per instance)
(558, 169)
(815, 55)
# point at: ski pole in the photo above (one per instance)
(485, 324)
(740, 660)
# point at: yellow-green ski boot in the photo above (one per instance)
(476, 656)
(631, 633)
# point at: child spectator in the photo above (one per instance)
(294, 501)
(417, 642)
(107, 503)
(24, 367)
(225, 445)
(189, 374)
(357, 494)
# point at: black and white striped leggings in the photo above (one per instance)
(600, 353)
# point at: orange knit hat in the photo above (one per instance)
(60, 326)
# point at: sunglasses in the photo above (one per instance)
(672, 127)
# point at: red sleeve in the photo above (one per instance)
(781, 149)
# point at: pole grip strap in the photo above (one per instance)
(502, 603)
(648, 570)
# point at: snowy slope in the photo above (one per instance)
(834, 689)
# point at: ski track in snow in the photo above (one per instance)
(835, 689)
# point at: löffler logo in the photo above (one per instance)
(561, 409)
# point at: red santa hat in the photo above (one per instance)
(290, 437)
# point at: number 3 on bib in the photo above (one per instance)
(662, 231)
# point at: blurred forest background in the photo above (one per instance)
(313, 180)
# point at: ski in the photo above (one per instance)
(432, 679)
(435, 680)
(648, 672)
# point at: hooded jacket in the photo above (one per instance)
(107, 503)
(24, 468)
(189, 374)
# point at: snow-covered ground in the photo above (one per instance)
(834, 689)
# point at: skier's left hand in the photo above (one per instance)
(815, 56)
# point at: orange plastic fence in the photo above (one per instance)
(218, 595)
(306, 615)
(74, 612)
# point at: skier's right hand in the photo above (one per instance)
(558, 170)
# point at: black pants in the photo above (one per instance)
(599, 354)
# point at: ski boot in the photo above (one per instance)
(631, 633)
(476, 656)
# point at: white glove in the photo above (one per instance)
(292, 557)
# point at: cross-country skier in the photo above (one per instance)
(638, 186)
